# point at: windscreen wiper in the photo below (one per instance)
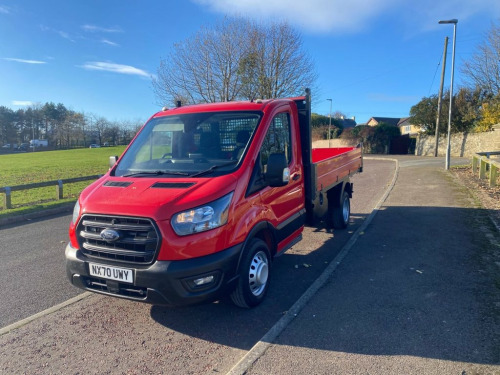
(213, 168)
(155, 173)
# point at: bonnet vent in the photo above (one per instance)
(172, 185)
(117, 183)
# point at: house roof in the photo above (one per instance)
(404, 121)
(388, 120)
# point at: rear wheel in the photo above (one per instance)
(254, 274)
(339, 214)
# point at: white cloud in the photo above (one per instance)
(115, 68)
(23, 103)
(23, 60)
(109, 43)
(4, 9)
(312, 15)
(338, 16)
(65, 35)
(94, 28)
(62, 34)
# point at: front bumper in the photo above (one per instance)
(167, 283)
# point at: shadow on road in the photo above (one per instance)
(420, 282)
(293, 272)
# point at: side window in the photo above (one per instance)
(278, 139)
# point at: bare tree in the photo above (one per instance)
(235, 59)
(483, 69)
(98, 126)
(283, 68)
(203, 68)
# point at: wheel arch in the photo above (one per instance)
(334, 194)
(264, 231)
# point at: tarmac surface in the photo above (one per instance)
(412, 292)
(414, 295)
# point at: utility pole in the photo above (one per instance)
(440, 96)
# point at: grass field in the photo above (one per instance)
(26, 168)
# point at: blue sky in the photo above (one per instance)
(373, 57)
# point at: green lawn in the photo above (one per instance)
(32, 167)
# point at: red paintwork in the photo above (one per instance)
(271, 205)
(334, 164)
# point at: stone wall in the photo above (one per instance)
(463, 145)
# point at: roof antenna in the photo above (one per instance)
(179, 104)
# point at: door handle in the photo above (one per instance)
(295, 176)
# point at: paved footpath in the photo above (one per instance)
(414, 295)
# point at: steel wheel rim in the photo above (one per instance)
(346, 210)
(258, 273)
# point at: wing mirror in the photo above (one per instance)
(112, 161)
(277, 173)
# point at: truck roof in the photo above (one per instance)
(257, 105)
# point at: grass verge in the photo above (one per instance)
(26, 168)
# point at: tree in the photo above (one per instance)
(98, 126)
(235, 59)
(203, 68)
(466, 109)
(424, 114)
(490, 114)
(276, 65)
(7, 126)
(321, 125)
(466, 112)
(483, 69)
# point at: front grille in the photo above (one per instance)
(138, 239)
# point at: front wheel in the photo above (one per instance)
(254, 271)
(339, 214)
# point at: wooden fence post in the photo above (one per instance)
(474, 164)
(482, 169)
(7, 202)
(59, 189)
(493, 175)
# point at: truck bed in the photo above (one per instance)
(332, 165)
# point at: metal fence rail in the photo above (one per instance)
(6, 191)
(483, 163)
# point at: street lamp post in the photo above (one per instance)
(330, 124)
(454, 22)
(440, 97)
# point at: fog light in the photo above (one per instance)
(204, 280)
(199, 283)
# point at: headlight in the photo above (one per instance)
(76, 213)
(203, 218)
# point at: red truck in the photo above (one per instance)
(202, 201)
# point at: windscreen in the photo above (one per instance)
(190, 145)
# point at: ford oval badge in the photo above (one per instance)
(110, 235)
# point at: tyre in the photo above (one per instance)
(339, 214)
(254, 272)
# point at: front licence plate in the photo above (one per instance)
(112, 273)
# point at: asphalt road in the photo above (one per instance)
(105, 335)
(32, 270)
